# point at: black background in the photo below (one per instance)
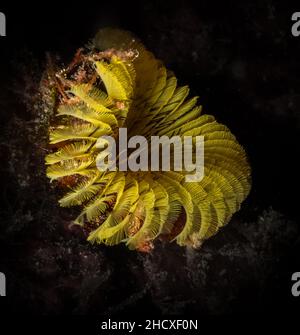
(243, 61)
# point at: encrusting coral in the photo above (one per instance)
(118, 83)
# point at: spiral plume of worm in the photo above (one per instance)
(118, 83)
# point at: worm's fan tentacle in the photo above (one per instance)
(117, 84)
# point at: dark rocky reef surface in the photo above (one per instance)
(244, 64)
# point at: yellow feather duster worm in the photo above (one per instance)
(120, 84)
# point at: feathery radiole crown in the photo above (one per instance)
(120, 84)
